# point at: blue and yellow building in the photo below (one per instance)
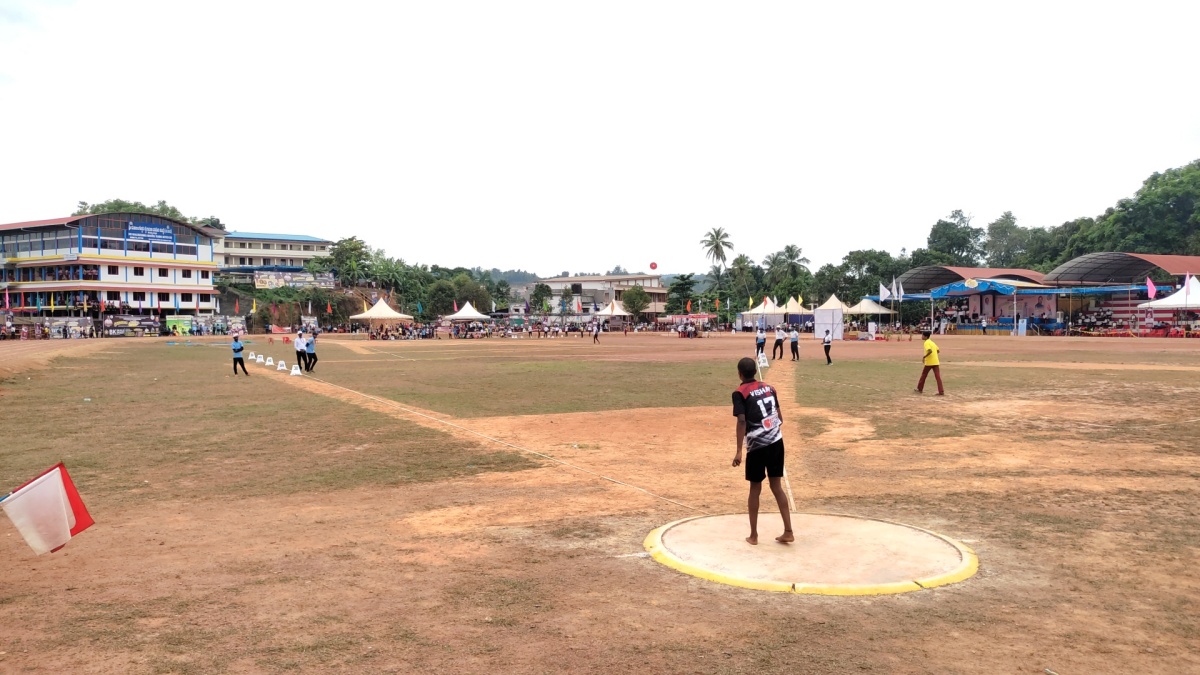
(124, 263)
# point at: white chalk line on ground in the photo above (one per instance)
(543, 455)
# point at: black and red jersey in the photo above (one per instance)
(760, 404)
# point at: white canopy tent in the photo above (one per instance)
(766, 307)
(1187, 297)
(828, 317)
(468, 313)
(868, 306)
(795, 306)
(767, 313)
(381, 312)
(613, 308)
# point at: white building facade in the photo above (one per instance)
(588, 294)
(126, 263)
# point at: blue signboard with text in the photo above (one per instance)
(158, 234)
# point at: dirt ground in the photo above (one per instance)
(1084, 515)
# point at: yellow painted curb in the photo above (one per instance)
(966, 569)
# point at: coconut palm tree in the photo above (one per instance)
(717, 278)
(776, 267)
(794, 261)
(741, 273)
(716, 244)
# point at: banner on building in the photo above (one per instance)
(292, 280)
(151, 232)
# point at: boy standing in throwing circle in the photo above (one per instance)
(759, 427)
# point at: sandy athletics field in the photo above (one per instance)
(410, 510)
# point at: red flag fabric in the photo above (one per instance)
(47, 510)
(328, 308)
(718, 303)
(456, 306)
(689, 307)
(1150, 289)
(236, 307)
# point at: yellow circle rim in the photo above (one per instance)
(966, 569)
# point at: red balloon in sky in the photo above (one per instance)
(653, 266)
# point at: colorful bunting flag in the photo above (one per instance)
(1151, 290)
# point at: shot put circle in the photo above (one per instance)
(834, 554)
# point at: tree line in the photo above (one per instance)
(1163, 216)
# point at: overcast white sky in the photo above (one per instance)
(576, 136)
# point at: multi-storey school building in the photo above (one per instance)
(127, 263)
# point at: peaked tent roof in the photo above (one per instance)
(614, 308)
(767, 306)
(1187, 297)
(868, 306)
(381, 312)
(468, 313)
(793, 306)
(834, 303)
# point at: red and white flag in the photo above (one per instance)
(1151, 290)
(47, 510)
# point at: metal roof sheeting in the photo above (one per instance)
(270, 236)
(1101, 268)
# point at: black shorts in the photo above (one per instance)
(768, 460)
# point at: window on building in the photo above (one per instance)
(187, 274)
(163, 272)
(307, 248)
(164, 297)
(267, 246)
(139, 271)
(185, 297)
(139, 296)
(185, 249)
(112, 269)
(114, 296)
(203, 274)
(241, 261)
(205, 297)
(241, 244)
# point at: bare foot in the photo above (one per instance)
(786, 538)
(752, 540)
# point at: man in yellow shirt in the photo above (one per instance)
(931, 362)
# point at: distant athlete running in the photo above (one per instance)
(759, 426)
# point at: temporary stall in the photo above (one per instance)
(828, 317)
(381, 313)
(1187, 297)
(468, 313)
